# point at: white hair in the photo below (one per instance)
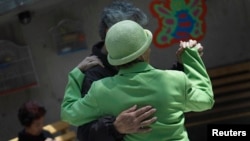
(117, 11)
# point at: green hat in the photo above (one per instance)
(125, 41)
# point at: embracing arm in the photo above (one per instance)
(74, 109)
(99, 130)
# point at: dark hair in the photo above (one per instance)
(29, 112)
(118, 11)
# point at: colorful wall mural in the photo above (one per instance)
(178, 20)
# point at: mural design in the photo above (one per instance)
(178, 20)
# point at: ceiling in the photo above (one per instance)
(7, 6)
(10, 8)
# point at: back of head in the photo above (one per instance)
(117, 11)
(29, 112)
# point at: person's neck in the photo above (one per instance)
(29, 131)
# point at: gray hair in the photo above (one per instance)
(117, 11)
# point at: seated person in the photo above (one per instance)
(31, 116)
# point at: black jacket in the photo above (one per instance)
(101, 129)
(24, 136)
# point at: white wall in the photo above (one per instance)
(225, 42)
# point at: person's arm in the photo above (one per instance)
(114, 128)
(199, 92)
(75, 109)
(128, 121)
(99, 130)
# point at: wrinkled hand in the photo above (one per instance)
(135, 121)
(191, 44)
(89, 62)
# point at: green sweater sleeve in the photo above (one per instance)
(75, 109)
(199, 92)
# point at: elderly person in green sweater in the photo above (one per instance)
(171, 92)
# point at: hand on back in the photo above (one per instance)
(135, 120)
(89, 62)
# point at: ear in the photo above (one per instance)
(146, 55)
